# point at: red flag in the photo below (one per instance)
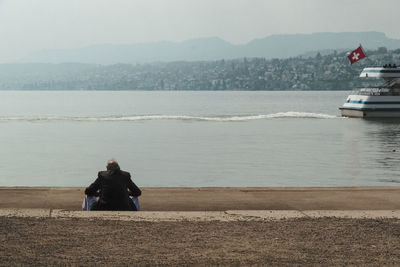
(356, 55)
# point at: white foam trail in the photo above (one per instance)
(294, 114)
(290, 114)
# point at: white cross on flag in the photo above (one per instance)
(356, 55)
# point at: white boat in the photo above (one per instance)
(375, 102)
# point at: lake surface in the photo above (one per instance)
(193, 138)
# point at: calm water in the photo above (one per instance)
(193, 139)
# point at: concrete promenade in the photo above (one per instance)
(208, 204)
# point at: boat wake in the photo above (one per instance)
(290, 114)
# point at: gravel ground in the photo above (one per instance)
(325, 241)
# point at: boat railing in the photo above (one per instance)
(377, 91)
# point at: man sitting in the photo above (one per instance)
(115, 190)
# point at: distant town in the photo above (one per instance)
(315, 72)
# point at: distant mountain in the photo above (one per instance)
(274, 46)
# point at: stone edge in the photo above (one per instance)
(176, 216)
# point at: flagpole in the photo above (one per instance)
(363, 50)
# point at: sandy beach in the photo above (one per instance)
(204, 226)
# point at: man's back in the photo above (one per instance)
(113, 186)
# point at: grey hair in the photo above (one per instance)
(112, 165)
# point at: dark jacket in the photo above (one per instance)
(112, 187)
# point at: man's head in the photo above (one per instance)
(112, 165)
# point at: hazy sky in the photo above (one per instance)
(32, 25)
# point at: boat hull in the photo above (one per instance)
(352, 113)
(356, 113)
(371, 106)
